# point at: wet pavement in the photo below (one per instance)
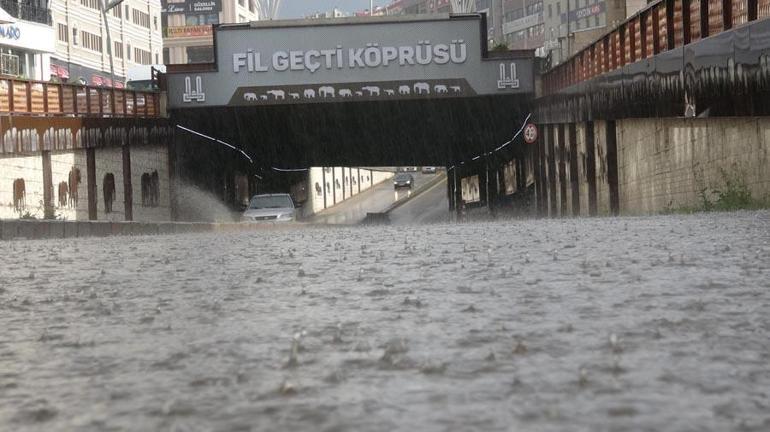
(377, 199)
(649, 323)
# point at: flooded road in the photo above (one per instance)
(659, 323)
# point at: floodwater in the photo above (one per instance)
(655, 323)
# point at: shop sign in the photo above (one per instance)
(10, 32)
(188, 31)
(193, 7)
(586, 12)
(522, 23)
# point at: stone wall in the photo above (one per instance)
(21, 177)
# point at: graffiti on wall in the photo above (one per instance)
(150, 189)
(108, 189)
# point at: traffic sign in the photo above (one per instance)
(530, 133)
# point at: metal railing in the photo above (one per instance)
(663, 25)
(27, 11)
(27, 97)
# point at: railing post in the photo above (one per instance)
(727, 14)
(655, 16)
(61, 97)
(28, 90)
(752, 10)
(704, 19)
(632, 41)
(112, 101)
(136, 111)
(686, 21)
(643, 32)
(88, 99)
(125, 102)
(74, 99)
(670, 28)
(10, 96)
(45, 98)
(100, 95)
(622, 45)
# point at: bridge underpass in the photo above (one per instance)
(447, 112)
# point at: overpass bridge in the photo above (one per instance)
(660, 113)
(373, 91)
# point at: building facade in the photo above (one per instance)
(81, 40)
(26, 39)
(188, 26)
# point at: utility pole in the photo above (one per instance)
(107, 5)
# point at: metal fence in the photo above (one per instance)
(46, 98)
(662, 26)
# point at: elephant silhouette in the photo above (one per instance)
(372, 90)
(294, 95)
(277, 94)
(389, 92)
(440, 88)
(326, 91)
(456, 89)
(309, 93)
(249, 97)
(345, 93)
(404, 90)
(421, 88)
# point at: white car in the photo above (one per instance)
(270, 208)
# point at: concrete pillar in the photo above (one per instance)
(91, 181)
(48, 206)
(573, 169)
(591, 167)
(612, 168)
(540, 181)
(554, 210)
(128, 195)
(560, 154)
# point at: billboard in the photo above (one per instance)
(285, 62)
(191, 7)
(188, 31)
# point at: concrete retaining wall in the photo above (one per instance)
(355, 180)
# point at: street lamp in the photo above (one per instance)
(107, 5)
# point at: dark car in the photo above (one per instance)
(403, 180)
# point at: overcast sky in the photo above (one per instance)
(302, 8)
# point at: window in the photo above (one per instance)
(156, 58)
(117, 49)
(141, 18)
(142, 57)
(91, 41)
(550, 11)
(166, 56)
(126, 11)
(93, 4)
(200, 54)
(128, 50)
(63, 33)
(117, 12)
(74, 36)
(155, 22)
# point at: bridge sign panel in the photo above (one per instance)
(340, 60)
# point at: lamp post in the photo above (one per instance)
(107, 5)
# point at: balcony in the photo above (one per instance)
(27, 11)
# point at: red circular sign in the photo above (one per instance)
(530, 133)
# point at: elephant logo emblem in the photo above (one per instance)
(277, 94)
(345, 93)
(250, 97)
(440, 88)
(421, 88)
(309, 93)
(404, 90)
(372, 90)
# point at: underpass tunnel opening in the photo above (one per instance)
(445, 133)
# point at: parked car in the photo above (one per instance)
(270, 208)
(429, 170)
(403, 180)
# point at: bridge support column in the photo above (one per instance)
(91, 182)
(551, 173)
(48, 208)
(612, 168)
(560, 153)
(540, 183)
(128, 190)
(591, 167)
(573, 169)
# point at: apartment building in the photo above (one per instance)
(82, 40)
(26, 39)
(188, 26)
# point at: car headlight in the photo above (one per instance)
(408, 182)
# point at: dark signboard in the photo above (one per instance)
(191, 7)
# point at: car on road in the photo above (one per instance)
(270, 208)
(429, 170)
(403, 180)
(408, 169)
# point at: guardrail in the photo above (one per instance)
(663, 25)
(27, 97)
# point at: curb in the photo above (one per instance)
(432, 182)
(14, 229)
